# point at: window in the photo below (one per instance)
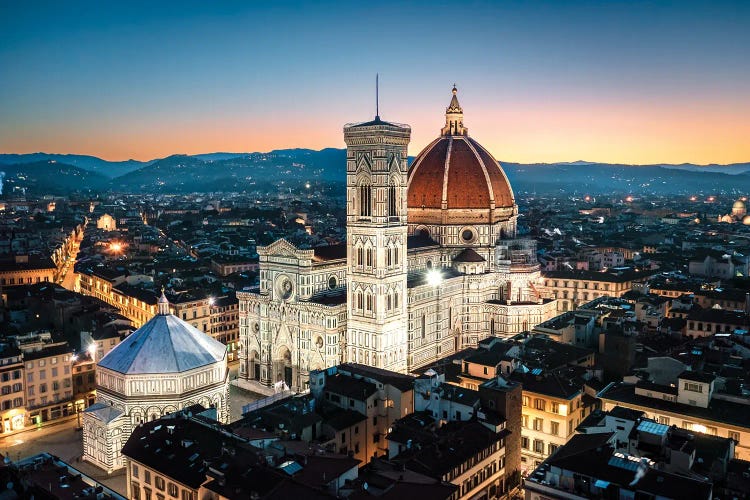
(146, 494)
(365, 200)
(526, 401)
(524, 421)
(159, 483)
(136, 489)
(551, 448)
(392, 200)
(554, 428)
(524, 442)
(42, 388)
(134, 470)
(538, 446)
(540, 404)
(538, 424)
(147, 476)
(664, 420)
(555, 407)
(689, 386)
(187, 495)
(172, 490)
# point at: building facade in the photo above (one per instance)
(432, 264)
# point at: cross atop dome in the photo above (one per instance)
(163, 305)
(454, 117)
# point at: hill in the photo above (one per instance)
(49, 177)
(92, 163)
(283, 168)
(182, 173)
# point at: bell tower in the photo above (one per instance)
(376, 229)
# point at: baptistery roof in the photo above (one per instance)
(455, 173)
(165, 344)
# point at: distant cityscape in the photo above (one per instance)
(358, 323)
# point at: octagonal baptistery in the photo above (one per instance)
(458, 194)
(164, 366)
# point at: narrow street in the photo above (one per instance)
(70, 278)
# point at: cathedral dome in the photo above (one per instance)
(165, 344)
(455, 180)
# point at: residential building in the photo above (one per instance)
(12, 394)
(691, 401)
(49, 390)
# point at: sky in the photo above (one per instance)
(612, 81)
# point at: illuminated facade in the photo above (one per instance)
(432, 264)
(164, 366)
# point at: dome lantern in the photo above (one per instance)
(454, 117)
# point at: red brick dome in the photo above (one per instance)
(457, 174)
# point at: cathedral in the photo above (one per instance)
(432, 264)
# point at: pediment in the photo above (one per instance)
(281, 248)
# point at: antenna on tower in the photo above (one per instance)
(377, 97)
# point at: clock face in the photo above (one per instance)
(284, 287)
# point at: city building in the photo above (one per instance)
(162, 367)
(432, 264)
(380, 395)
(187, 456)
(49, 389)
(225, 323)
(691, 400)
(574, 288)
(12, 394)
(25, 269)
(590, 466)
(46, 476)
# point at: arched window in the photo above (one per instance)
(492, 326)
(392, 199)
(369, 257)
(359, 300)
(360, 256)
(365, 200)
(369, 301)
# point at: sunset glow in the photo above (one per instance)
(598, 82)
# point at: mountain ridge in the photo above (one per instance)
(291, 167)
